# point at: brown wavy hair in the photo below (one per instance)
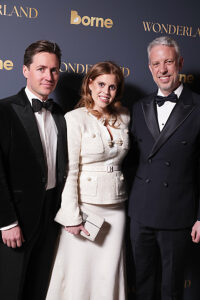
(101, 68)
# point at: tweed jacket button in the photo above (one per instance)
(121, 177)
(110, 144)
(119, 142)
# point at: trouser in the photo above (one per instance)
(149, 245)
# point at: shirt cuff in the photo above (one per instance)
(9, 226)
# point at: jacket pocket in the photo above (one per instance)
(88, 185)
(92, 143)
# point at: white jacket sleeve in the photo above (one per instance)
(69, 213)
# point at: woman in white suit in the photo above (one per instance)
(97, 144)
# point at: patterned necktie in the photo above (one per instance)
(37, 105)
(161, 100)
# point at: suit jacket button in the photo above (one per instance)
(150, 160)
(147, 180)
(167, 163)
(184, 142)
(165, 184)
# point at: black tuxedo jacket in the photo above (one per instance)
(165, 191)
(23, 172)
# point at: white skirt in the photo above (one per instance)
(85, 270)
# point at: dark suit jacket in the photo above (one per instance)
(23, 173)
(165, 191)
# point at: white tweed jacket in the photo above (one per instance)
(94, 168)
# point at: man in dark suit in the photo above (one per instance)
(164, 201)
(32, 175)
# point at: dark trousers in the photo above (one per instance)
(26, 271)
(165, 247)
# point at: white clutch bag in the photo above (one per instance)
(92, 224)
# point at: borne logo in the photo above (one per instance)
(186, 78)
(90, 21)
(6, 65)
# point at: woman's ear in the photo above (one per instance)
(90, 82)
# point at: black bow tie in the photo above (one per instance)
(161, 100)
(37, 105)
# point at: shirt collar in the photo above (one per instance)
(178, 91)
(30, 95)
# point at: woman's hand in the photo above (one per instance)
(76, 229)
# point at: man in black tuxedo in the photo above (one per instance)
(164, 201)
(33, 158)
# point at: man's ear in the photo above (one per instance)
(150, 68)
(25, 71)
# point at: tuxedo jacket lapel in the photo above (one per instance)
(150, 115)
(61, 145)
(180, 113)
(25, 113)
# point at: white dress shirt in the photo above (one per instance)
(164, 111)
(48, 134)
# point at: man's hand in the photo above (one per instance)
(196, 232)
(12, 237)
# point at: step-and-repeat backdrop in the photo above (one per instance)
(91, 31)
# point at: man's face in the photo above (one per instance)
(42, 75)
(165, 66)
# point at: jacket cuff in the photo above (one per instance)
(66, 220)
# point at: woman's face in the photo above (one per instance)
(103, 91)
